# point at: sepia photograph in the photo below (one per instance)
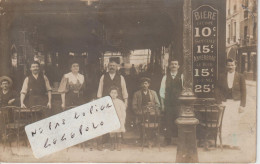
(128, 81)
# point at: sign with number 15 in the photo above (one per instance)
(205, 50)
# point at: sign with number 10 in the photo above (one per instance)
(204, 50)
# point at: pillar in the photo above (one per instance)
(187, 146)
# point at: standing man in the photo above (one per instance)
(170, 90)
(109, 79)
(112, 78)
(133, 70)
(36, 85)
(122, 69)
(231, 91)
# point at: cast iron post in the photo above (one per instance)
(187, 146)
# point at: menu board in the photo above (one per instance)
(204, 50)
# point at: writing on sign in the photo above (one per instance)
(205, 50)
(72, 127)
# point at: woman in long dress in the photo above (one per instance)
(71, 87)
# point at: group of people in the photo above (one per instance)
(36, 90)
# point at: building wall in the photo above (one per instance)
(241, 35)
(233, 20)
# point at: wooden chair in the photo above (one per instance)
(37, 113)
(13, 124)
(150, 126)
(211, 122)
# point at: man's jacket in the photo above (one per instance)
(137, 100)
(238, 89)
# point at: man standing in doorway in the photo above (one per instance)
(231, 92)
(133, 70)
(36, 85)
(170, 90)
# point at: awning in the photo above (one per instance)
(77, 26)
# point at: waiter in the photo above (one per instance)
(112, 78)
(35, 86)
(231, 92)
(109, 79)
(170, 90)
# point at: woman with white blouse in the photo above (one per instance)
(71, 87)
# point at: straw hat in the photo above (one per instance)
(6, 78)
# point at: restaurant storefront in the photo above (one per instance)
(53, 32)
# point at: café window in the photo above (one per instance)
(245, 5)
(245, 32)
(235, 31)
(235, 8)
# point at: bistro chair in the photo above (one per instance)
(150, 126)
(37, 112)
(211, 123)
(13, 124)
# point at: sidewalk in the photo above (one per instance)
(127, 154)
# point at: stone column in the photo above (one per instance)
(187, 145)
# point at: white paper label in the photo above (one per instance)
(72, 127)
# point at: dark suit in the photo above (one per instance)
(238, 91)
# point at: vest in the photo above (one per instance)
(229, 94)
(145, 98)
(36, 87)
(108, 82)
(173, 89)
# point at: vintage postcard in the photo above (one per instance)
(128, 81)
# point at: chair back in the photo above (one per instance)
(150, 117)
(37, 113)
(6, 117)
(12, 117)
(213, 116)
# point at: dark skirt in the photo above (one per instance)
(74, 99)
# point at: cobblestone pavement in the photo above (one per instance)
(133, 152)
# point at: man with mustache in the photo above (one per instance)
(231, 92)
(109, 79)
(144, 99)
(7, 95)
(170, 90)
(36, 85)
(145, 96)
(112, 78)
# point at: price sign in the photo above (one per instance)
(205, 50)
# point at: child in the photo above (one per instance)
(115, 136)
